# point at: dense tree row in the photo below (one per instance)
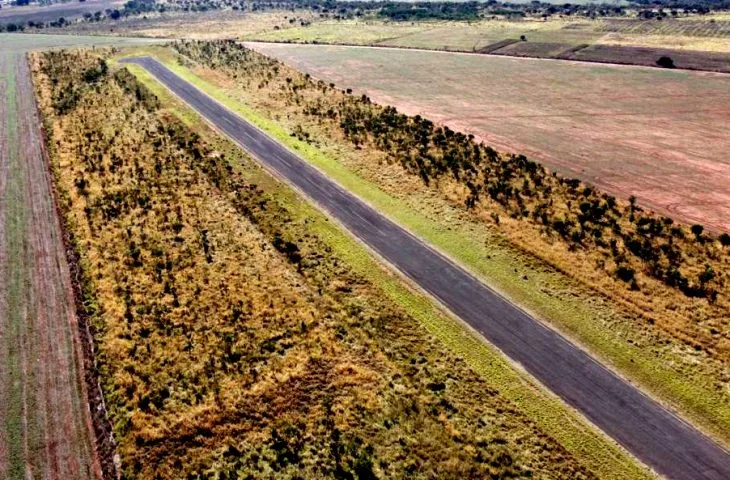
(632, 240)
(396, 10)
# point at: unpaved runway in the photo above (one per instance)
(649, 431)
(45, 429)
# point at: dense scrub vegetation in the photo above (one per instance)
(599, 238)
(232, 342)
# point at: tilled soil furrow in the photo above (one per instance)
(35, 450)
(44, 338)
(14, 286)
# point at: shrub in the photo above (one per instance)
(724, 240)
(625, 274)
(665, 62)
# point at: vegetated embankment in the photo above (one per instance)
(231, 340)
(45, 428)
(666, 282)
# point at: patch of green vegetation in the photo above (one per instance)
(583, 441)
(14, 223)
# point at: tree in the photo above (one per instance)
(724, 240)
(115, 14)
(625, 273)
(697, 230)
(665, 62)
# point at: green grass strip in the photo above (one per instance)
(17, 280)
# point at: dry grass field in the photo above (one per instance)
(437, 35)
(716, 26)
(50, 13)
(656, 134)
(707, 34)
(199, 25)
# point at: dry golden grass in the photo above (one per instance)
(679, 42)
(231, 341)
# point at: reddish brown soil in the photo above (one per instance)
(496, 46)
(44, 414)
(4, 390)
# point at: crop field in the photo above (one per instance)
(708, 34)
(233, 339)
(674, 42)
(655, 134)
(53, 12)
(624, 54)
(20, 43)
(437, 35)
(669, 27)
(696, 44)
(45, 426)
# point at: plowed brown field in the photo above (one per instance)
(45, 428)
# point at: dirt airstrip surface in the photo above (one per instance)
(660, 135)
(45, 429)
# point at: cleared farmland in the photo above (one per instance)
(199, 25)
(20, 43)
(658, 135)
(709, 34)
